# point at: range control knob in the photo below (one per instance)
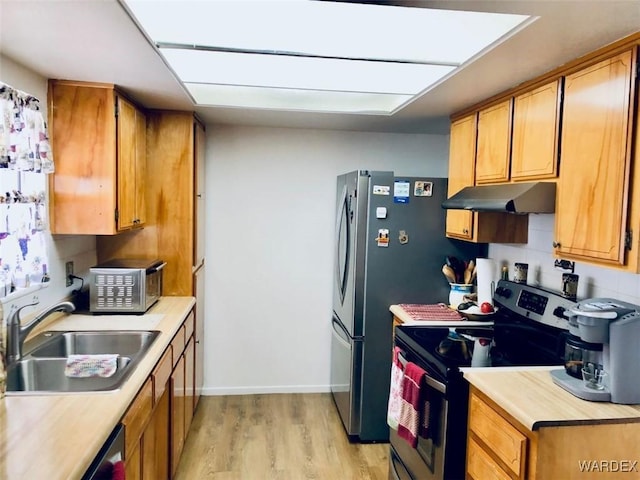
(559, 312)
(503, 292)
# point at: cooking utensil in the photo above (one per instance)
(457, 266)
(449, 273)
(469, 271)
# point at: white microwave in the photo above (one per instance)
(125, 285)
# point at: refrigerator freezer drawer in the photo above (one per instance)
(346, 361)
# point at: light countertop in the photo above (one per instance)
(530, 396)
(56, 437)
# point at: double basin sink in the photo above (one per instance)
(42, 368)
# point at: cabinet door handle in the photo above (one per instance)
(465, 231)
(556, 244)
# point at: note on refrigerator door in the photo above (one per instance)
(401, 191)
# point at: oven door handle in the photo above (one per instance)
(430, 381)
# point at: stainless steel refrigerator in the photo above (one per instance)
(390, 246)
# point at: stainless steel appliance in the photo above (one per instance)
(110, 459)
(615, 326)
(389, 248)
(125, 285)
(530, 327)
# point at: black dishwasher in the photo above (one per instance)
(109, 461)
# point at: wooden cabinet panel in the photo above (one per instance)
(198, 224)
(83, 190)
(95, 140)
(189, 325)
(177, 345)
(137, 417)
(133, 464)
(480, 465)
(155, 442)
(199, 334)
(126, 164)
(591, 213)
(177, 413)
(536, 123)
(494, 143)
(161, 374)
(462, 154)
(506, 442)
(141, 168)
(189, 385)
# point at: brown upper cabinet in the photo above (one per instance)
(594, 182)
(494, 143)
(536, 122)
(175, 197)
(481, 227)
(462, 155)
(99, 146)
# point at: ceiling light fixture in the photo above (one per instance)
(314, 56)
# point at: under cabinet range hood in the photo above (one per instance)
(536, 197)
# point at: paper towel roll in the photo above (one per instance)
(486, 274)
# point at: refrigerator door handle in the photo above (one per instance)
(341, 333)
(343, 215)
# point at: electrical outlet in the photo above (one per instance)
(69, 269)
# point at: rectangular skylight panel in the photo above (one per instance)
(294, 100)
(301, 73)
(334, 29)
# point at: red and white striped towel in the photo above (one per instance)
(436, 311)
(415, 405)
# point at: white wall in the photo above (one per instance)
(270, 200)
(538, 253)
(61, 248)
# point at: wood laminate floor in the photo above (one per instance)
(276, 437)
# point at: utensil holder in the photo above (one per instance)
(457, 293)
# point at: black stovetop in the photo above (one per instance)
(519, 338)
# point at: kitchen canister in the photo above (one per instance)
(570, 285)
(520, 272)
(487, 275)
(457, 293)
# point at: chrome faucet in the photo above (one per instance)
(17, 334)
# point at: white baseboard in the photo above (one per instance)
(212, 391)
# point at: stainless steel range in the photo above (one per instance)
(530, 328)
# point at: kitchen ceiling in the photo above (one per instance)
(96, 40)
(303, 55)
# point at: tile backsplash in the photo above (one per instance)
(538, 253)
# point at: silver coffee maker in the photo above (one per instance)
(616, 325)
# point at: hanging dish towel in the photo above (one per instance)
(413, 405)
(82, 366)
(118, 471)
(395, 391)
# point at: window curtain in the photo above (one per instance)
(25, 159)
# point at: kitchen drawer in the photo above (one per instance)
(137, 417)
(189, 325)
(481, 466)
(177, 344)
(161, 375)
(506, 442)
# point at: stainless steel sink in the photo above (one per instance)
(63, 344)
(42, 369)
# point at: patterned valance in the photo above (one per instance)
(24, 144)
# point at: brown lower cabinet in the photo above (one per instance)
(157, 421)
(500, 447)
